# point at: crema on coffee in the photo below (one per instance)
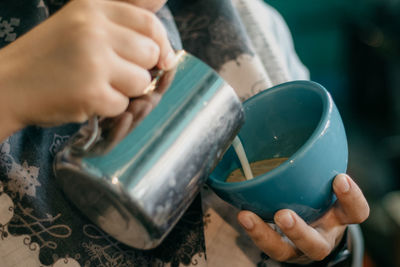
(258, 168)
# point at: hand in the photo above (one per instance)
(114, 129)
(308, 242)
(152, 5)
(87, 59)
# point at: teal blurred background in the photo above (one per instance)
(353, 49)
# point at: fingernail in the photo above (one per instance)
(170, 60)
(342, 183)
(285, 220)
(246, 222)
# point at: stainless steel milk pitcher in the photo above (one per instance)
(136, 174)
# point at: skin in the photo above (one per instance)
(309, 242)
(91, 70)
(104, 61)
(152, 5)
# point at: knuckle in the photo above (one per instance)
(280, 256)
(124, 105)
(87, 9)
(92, 95)
(257, 236)
(82, 109)
(362, 215)
(92, 34)
(142, 81)
(85, 4)
(153, 26)
(144, 76)
(87, 25)
(116, 107)
(94, 65)
(366, 214)
(322, 252)
(81, 116)
(86, 101)
(101, 102)
(89, 47)
(83, 14)
(153, 51)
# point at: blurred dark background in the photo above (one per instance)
(353, 49)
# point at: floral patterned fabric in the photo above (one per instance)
(244, 40)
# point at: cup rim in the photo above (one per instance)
(320, 129)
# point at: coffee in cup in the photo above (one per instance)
(257, 168)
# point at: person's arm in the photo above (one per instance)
(308, 243)
(151, 5)
(87, 59)
(8, 123)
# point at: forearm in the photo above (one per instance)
(9, 123)
(7, 128)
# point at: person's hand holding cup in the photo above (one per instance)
(297, 125)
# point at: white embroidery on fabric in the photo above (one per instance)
(20, 251)
(23, 179)
(38, 226)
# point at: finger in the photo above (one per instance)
(307, 239)
(134, 47)
(265, 238)
(143, 22)
(128, 78)
(351, 206)
(152, 5)
(110, 103)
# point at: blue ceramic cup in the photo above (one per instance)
(297, 120)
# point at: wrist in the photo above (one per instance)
(8, 127)
(9, 122)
